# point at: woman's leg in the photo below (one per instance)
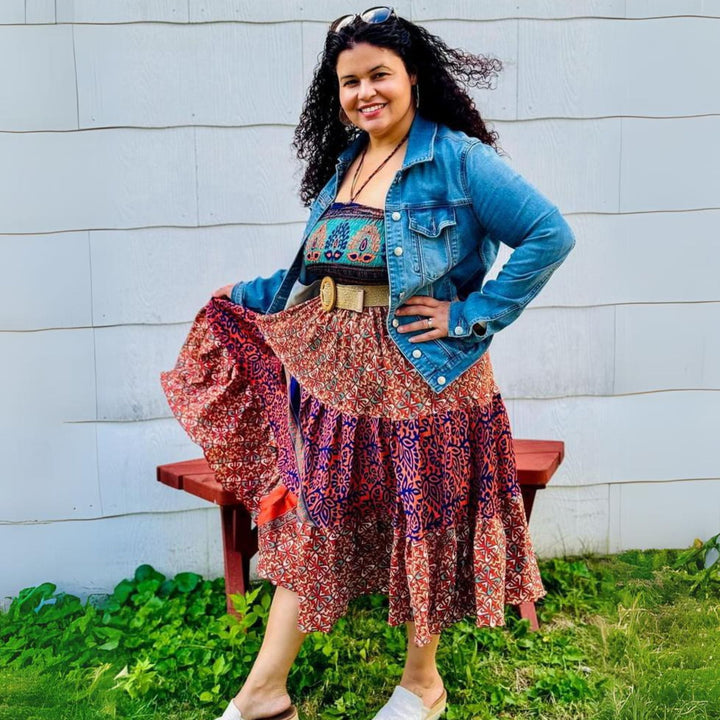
(420, 674)
(264, 692)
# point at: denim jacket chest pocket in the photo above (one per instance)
(433, 235)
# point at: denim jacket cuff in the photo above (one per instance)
(236, 294)
(460, 327)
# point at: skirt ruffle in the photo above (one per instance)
(215, 393)
(369, 482)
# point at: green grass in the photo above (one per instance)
(623, 637)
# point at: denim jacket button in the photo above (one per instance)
(458, 330)
(395, 322)
(398, 250)
(441, 380)
(417, 353)
(395, 215)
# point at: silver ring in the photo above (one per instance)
(429, 322)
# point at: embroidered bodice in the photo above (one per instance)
(348, 243)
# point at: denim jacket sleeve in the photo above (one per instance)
(510, 210)
(257, 294)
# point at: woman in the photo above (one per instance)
(355, 387)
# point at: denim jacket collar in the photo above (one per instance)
(421, 144)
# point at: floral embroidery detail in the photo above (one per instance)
(348, 243)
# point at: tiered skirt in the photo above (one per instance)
(359, 477)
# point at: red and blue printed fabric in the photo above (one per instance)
(359, 476)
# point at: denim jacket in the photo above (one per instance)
(449, 206)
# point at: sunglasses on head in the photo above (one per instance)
(372, 16)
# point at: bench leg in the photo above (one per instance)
(527, 611)
(528, 496)
(239, 545)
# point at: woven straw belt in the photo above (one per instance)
(352, 297)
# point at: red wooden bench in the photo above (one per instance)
(537, 460)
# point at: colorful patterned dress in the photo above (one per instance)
(360, 478)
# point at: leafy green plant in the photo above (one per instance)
(573, 587)
(159, 636)
(702, 560)
(166, 648)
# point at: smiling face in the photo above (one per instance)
(375, 90)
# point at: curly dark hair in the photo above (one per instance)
(442, 74)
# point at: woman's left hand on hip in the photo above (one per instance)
(438, 311)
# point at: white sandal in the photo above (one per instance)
(232, 713)
(406, 705)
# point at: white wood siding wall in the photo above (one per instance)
(146, 160)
